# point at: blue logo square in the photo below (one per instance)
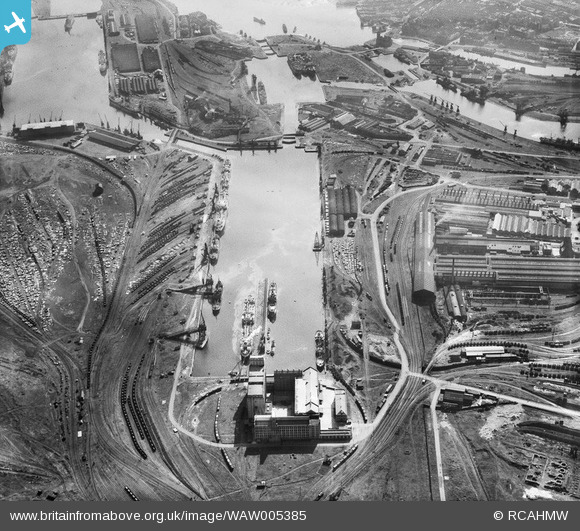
(15, 27)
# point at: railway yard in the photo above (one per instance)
(448, 363)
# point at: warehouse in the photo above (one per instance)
(114, 140)
(340, 205)
(482, 352)
(46, 129)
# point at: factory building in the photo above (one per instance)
(46, 130)
(553, 272)
(424, 279)
(294, 405)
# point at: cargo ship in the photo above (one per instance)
(216, 297)
(259, 20)
(214, 250)
(320, 350)
(249, 314)
(68, 24)
(272, 301)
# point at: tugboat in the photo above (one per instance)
(216, 298)
(272, 300)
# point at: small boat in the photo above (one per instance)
(317, 247)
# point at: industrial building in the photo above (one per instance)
(294, 405)
(46, 130)
(490, 353)
(423, 278)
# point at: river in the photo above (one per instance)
(496, 115)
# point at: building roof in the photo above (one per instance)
(340, 403)
(306, 393)
(113, 140)
(48, 125)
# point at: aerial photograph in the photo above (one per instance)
(290, 250)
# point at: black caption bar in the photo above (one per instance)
(490, 516)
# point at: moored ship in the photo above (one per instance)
(220, 222)
(272, 301)
(216, 297)
(564, 143)
(246, 348)
(214, 250)
(320, 349)
(102, 62)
